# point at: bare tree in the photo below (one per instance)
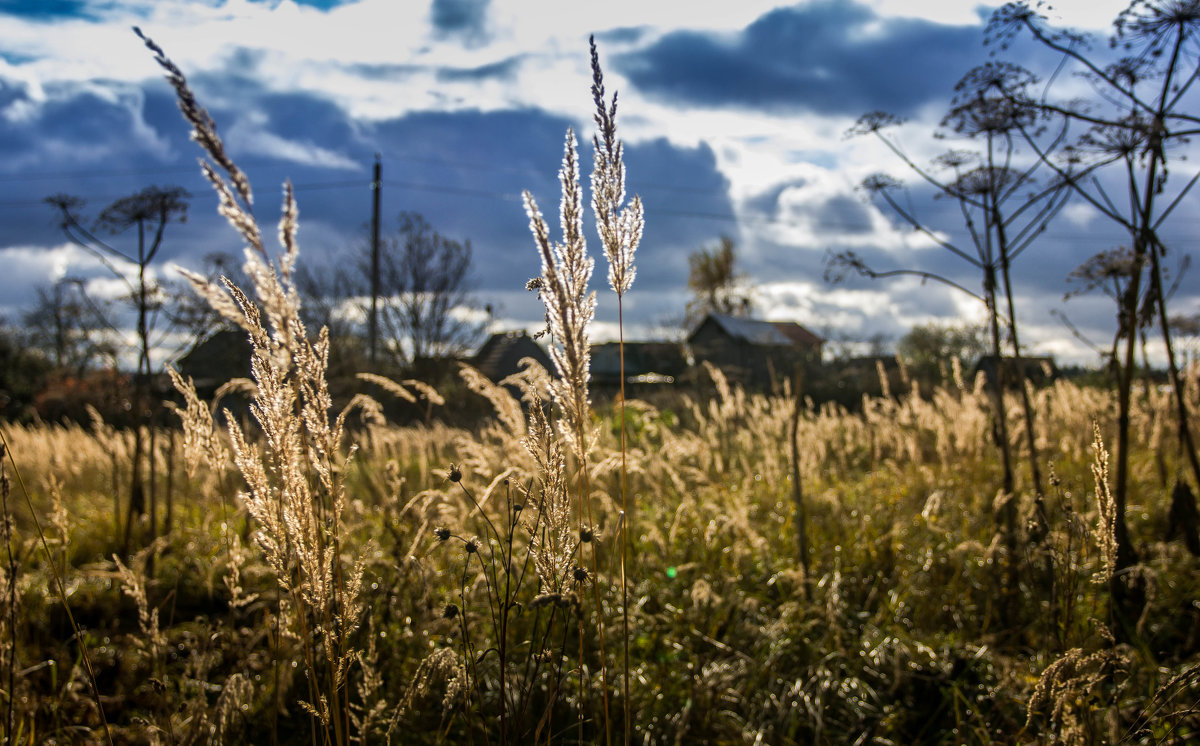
(926, 348)
(425, 306)
(148, 212)
(70, 326)
(716, 284)
(425, 303)
(1136, 124)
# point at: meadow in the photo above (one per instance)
(900, 632)
(718, 566)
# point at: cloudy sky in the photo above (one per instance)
(734, 117)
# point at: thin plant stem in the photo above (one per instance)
(12, 600)
(585, 495)
(62, 592)
(625, 528)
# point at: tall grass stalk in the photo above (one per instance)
(295, 490)
(10, 589)
(620, 230)
(570, 307)
(799, 508)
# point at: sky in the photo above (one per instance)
(734, 118)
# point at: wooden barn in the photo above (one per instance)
(647, 365)
(756, 354)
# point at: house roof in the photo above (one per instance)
(783, 333)
(222, 355)
(498, 356)
(797, 334)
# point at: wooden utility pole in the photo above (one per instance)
(373, 332)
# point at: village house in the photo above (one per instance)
(220, 356)
(756, 354)
(648, 365)
(501, 354)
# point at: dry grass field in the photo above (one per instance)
(902, 631)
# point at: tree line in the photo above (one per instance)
(67, 348)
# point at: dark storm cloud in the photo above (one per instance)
(104, 145)
(843, 214)
(243, 62)
(319, 4)
(301, 116)
(840, 214)
(767, 202)
(687, 205)
(463, 17)
(502, 69)
(384, 71)
(464, 171)
(489, 158)
(827, 57)
(13, 94)
(12, 91)
(621, 35)
(44, 9)
(77, 140)
(82, 119)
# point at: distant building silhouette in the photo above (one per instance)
(754, 353)
(1037, 370)
(220, 356)
(646, 364)
(500, 355)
